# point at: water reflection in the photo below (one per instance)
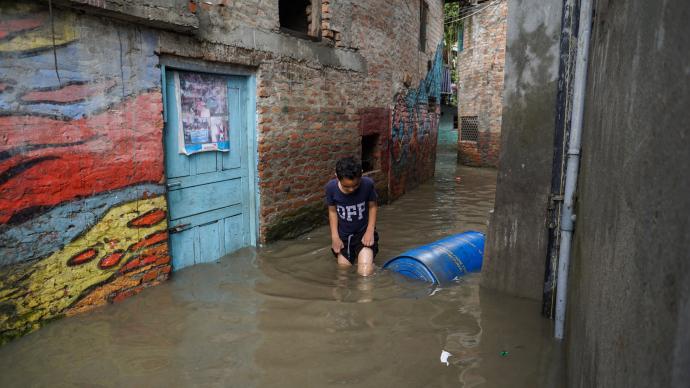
(286, 316)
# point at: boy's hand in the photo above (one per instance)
(337, 244)
(368, 239)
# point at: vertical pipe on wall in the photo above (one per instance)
(573, 164)
(564, 101)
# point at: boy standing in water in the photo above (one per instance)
(351, 201)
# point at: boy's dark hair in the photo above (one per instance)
(349, 168)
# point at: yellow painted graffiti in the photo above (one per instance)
(52, 285)
(41, 37)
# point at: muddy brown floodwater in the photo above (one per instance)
(285, 316)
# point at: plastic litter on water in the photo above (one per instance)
(437, 289)
(444, 357)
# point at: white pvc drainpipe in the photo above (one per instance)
(573, 163)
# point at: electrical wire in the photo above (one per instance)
(463, 17)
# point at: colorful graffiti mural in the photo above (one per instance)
(82, 212)
(414, 131)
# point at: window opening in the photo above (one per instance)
(300, 18)
(469, 130)
(370, 154)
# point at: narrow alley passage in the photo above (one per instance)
(284, 315)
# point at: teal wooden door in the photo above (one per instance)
(208, 192)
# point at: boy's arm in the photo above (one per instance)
(336, 243)
(368, 239)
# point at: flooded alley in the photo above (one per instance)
(285, 316)
(164, 195)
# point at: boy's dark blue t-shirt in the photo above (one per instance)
(352, 209)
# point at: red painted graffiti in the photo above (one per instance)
(149, 240)
(148, 219)
(45, 161)
(11, 26)
(70, 93)
(111, 260)
(82, 257)
(155, 255)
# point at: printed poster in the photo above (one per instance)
(203, 113)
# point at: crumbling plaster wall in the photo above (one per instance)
(516, 243)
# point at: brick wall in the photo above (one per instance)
(480, 82)
(310, 112)
(82, 205)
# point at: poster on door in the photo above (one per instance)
(203, 113)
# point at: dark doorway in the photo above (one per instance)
(370, 153)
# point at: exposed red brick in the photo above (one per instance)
(149, 276)
(120, 296)
(162, 260)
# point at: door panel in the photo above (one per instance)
(205, 198)
(234, 239)
(205, 162)
(210, 232)
(208, 192)
(182, 248)
(231, 160)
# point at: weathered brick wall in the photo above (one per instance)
(82, 213)
(480, 82)
(82, 207)
(306, 121)
(401, 78)
(222, 16)
(310, 110)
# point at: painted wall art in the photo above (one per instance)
(83, 217)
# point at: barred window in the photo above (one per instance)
(469, 128)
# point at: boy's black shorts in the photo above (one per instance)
(353, 245)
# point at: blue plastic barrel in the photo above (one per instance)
(442, 261)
